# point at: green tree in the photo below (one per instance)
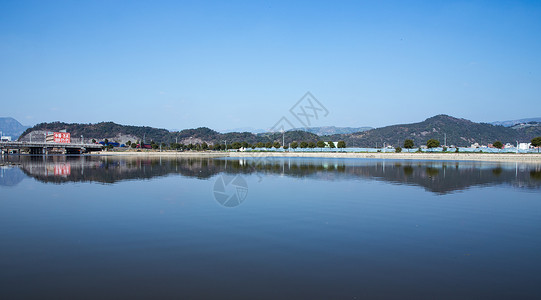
(311, 145)
(128, 143)
(320, 144)
(106, 141)
(276, 145)
(133, 146)
(204, 146)
(536, 142)
(432, 143)
(341, 144)
(304, 145)
(260, 145)
(397, 149)
(268, 145)
(497, 144)
(286, 147)
(294, 145)
(331, 144)
(236, 145)
(408, 144)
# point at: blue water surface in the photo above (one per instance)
(119, 228)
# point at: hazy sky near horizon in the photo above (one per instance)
(231, 64)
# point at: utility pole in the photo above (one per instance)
(283, 138)
(225, 145)
(445, 139)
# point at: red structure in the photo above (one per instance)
(58, 137)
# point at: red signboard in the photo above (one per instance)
(62, 137)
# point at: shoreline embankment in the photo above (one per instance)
(504, 157)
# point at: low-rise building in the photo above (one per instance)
(524, 146)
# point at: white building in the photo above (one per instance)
(524, 146)
(5, 138)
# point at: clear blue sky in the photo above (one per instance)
(229, 64)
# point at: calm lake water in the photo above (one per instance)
(117, 228)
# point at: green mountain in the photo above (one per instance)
(11, 127)
(113, 131)
(459, 132)
(100, 131)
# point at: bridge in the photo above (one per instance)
(47, 148)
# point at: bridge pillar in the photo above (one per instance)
(36, 150)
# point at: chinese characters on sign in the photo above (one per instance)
(62, 137)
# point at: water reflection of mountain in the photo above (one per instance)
(11, 176)
(437, 177)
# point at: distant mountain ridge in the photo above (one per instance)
(511, 123)
(331, 130)
(11, 127)
(244, 129)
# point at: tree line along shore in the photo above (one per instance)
(245, 146)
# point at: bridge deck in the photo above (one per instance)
(44, 148)
(47, 145)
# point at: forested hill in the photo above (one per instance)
(101, 130)
(122, 133)
(459, 132)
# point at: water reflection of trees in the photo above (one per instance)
(438, 177)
